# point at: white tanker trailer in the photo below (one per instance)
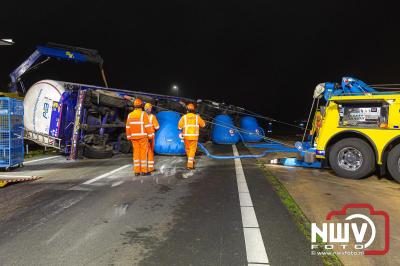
(76, 118)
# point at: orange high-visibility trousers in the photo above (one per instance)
(150, 155)
(140, 149)
(190, 147)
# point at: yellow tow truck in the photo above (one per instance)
(356, 132)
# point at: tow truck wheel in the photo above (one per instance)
(393, 162)
(352, 158)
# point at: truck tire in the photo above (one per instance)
(97, 152)
(393, 162)
(352, 158)
(125, 146)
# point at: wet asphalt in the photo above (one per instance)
(163, 219)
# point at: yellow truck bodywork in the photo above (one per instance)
(379, 138)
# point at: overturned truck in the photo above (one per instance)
(84, 120)
(88, 120)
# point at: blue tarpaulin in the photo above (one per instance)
(252, 132)
(167, 137)
(224, 131)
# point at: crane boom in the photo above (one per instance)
(58, 51)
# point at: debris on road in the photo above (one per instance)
(5, 179)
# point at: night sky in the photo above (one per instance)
(264, 55)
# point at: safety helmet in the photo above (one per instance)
(148, 106)
(137, 103)
(190, 107)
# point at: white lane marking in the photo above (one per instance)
(255, 249)
(242, 188)
(106, 174)
(253, 238)
(249, 218)
(117, 183)
(42, 159)
(245, 199)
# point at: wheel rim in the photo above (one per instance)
(350, 159)
(398, 164)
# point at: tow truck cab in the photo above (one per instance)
(359, 133)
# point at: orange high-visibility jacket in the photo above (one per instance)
(190, 124)
(138, 125)
(154, 124)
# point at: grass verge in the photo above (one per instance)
(299, 217)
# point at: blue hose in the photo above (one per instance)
(228, 157)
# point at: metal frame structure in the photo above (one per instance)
(11, 132)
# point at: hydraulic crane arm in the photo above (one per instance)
(349, 86)
(58, 51)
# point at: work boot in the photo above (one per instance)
(146, 174)
(137, 174)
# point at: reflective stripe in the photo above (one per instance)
(141, 120)
(150, 135)
(128, 127)
(148, 125)
(144, 161)
(184, 124)
(136, 161)
(151, 118)
(157, 127)
(136, 123)
(179, 128)
(136, 164)
(151, 161)
(138, 134)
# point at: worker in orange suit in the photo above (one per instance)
(138, 129)
(190, 124)
(154, 127)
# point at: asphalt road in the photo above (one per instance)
(95, 212)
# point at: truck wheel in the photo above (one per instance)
(352, 158)
(393, 162)
(97, 152)
(125, 146)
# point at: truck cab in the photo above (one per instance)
(359, 133)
